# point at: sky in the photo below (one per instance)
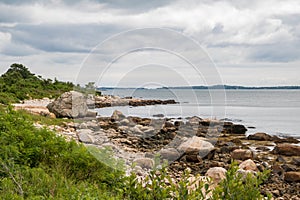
(159, 42)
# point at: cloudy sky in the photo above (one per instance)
(160, 42)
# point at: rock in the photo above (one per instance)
(260, 137)
(238, 129)
(287, 149)
(194, 120)
(242, 154)
(117, 115)
(70, 104)
(292, 176)
(83, 126)
(296, 161)
(34, 109)
(169, 154)
(276, 193)
(147, 163)
(136, 130)
(217, 174)
(262, 148)
(158, 115)
(244, 173)
(169, 125)
(124, 122)
(277, 169)
(289, 167)
(196, 144)
(85, 137)
(92, 125)
(248, 165)
(91, 113)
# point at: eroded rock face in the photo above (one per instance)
(287, 149)
(70, 104)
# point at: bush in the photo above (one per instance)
(38, 164)
(18, 84)
(159, 185)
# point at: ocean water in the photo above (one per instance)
(276, 112)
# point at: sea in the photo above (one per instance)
(273, 111)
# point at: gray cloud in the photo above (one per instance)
(60, 38)
(233, 31)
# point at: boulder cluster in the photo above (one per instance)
(205, 146)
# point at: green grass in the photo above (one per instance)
(38, 164)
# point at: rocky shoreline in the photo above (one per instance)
(205, 146)
(110, 101)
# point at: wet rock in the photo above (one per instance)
(260, 137)
(238, 129)
(147, 163)
(70, 104)
(248, 165)
(158, 115)
(196, 144)
(242, 154)
(178, 123)
(217, 174)
(292, 176)
(287, 149)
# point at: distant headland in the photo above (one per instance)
(218, 87)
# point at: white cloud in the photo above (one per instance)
(234, 32)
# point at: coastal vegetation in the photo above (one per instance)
(37, 163)
(18, 84)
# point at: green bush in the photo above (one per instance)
(38, 164)
(235, 186)
(159, 185)
(18, 84)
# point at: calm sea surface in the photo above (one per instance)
(276, 112)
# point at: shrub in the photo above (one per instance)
(38, 164)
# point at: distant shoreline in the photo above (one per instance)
(218, 87)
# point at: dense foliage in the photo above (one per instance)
(38, 164)
(18, 83)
